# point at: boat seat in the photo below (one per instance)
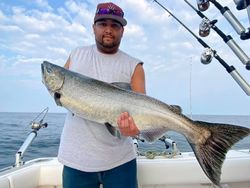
(4, 182)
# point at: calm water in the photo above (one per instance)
(14, 128)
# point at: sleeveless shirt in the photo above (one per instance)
(86, 145)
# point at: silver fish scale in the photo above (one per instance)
(103, 102)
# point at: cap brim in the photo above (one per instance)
(113, 17)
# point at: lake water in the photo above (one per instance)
(15, 127)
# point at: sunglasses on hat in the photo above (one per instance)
(110, 11)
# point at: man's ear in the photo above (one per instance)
(93, 27)
(122, 31)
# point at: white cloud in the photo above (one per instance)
(73, 7)
(144, 12)
(30, 32)
(10, 28)
(36, 21)
(134, 30)
(2, 17)
(65, 14)
(30, 36)
(135, 33)
(185, 45)
(81, 11)
(60, 51)
(43, 4)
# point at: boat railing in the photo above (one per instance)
(35, 126)
(169, 144)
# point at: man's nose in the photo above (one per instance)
(108, 29)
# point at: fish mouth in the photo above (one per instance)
(43, 72)
(42, 68)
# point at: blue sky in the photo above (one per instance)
(32, 31)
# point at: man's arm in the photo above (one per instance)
(125, 122)
(138, 80)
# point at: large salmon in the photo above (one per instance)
(103, 103)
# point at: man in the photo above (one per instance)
(90, 154)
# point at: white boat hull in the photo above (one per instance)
(179, 172)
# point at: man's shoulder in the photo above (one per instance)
(83, 48)
(128, 56)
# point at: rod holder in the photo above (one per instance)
(23, 148)
(238, 52)
(240, 80)
(35, 126)
(233, 21)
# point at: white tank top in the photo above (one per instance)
(86, 145)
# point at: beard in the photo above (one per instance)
(107, 46)
(109, 43)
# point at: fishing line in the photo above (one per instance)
(209, 53)
(177, 20)
(190, 87)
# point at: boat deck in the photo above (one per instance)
(180, 172)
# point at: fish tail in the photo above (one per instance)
(211, 152)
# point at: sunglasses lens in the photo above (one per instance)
(110, 11)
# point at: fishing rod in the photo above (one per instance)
(35, 126)
(234, 22)
(210, 53)
(243, 4)
(240, 5)
(204, 31)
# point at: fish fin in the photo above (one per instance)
(151, 135)
(212, 152)
(122, 85)
(112, 130)
(57, 97)
(176, 108)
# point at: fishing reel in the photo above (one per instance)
(36, 125)
(207, 56)
(167, 141)
(203, 4)
(205, 26)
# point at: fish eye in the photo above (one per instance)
(49, 70)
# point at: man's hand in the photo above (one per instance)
(127, 125)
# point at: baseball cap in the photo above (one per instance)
(110, 11)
